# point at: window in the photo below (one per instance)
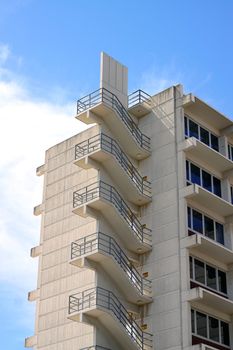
(210, 327)
(193, 129)
(199, 271)
(230, 152)
(203, 224)
(201, 324)
(207, 275)
(197, 221)
(214, 329)
(196, 175)
(231, 194)
(222, 282)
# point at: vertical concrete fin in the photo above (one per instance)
(114, 77)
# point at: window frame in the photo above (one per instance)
(187, 118)
(189, 181)
(203, 225)
(194, 312)
(193, 279)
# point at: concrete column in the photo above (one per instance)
(226, 192)
(223, 149)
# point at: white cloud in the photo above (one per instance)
(28, 128)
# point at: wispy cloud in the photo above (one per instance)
(4, 53)
(159, 77)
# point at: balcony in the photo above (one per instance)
(106, 106)
(200, 296)
(207, 246)
(104, 250)
(207, 154)
(139, 103)
(200, 343)
(101, 197)
(103, 149)
(206, 198)
(98, 303)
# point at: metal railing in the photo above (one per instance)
(106, 143)
(107, 192)
(138, 97)
(100, 297)
(107, 244)
(102, 95)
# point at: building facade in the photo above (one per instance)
(136, 243)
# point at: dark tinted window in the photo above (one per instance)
(191, 267)
(205, 136)
(186, 126)
(222, 282)
(197, 221)
(195, 174)
(206, 181)
(189, 217)
(187, 170)
(209, 227)
(214, 142)
(193, 129)
(193, 321)
(219, 233)
(225, 338)
(211, 277)
(214, 329)
(217, 187)
(199, 271)
(201, 324)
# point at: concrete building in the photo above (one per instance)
(136, 243)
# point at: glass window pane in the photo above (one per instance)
(195, 174)
(214, 142)
(201, 324)
(211, 277)
(231, 194)
(199, 271)
(191, 267)
(225, 338)
(222, 282)
(219, 233)
(197, 221)
(213, 329)
(192, 321)
(217, 187)
(189, 217)
(206, 181)
(187, 170)
(205, 136)
(186, 126)
(209, 227)
(230, 150)
(193, 129)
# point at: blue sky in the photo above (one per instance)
(49, 56)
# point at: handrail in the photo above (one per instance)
(109, 193)
(107, 244)
(102, 95)
(137, 97)
(106, 299)
(108, 144)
